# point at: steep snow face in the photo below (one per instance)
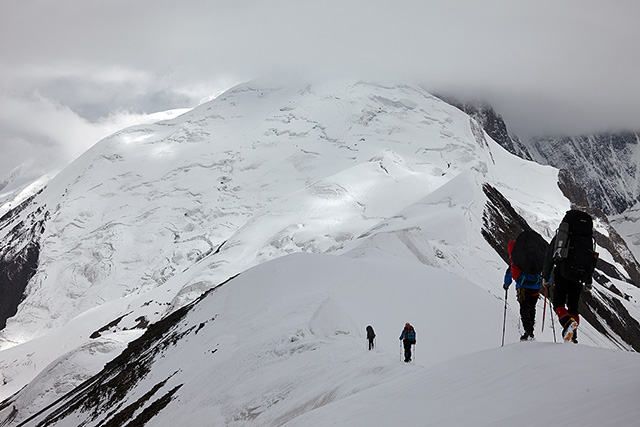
(284, 344)
(150, 218)
(152, 200)
(606, 166)
(267, 169)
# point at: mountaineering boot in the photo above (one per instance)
(569, 330)
(574, 339)
(528, 336)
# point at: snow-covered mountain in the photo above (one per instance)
(284, 344)
(402, 204)
(598, 170)
(606, 165)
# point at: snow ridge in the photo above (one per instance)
(326, 204)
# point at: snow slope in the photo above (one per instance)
(284, 344)
(532, 384)
(387, 178)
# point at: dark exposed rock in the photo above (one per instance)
(501, 224)
(19, 255)
(617, 247)
(572, 190)
(15, 273)
(107, 327)
(141, 323)
(609, 308)
(101, 399)
(603, 164)
(105, 392)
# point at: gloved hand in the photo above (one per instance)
(505, 287)
(587, 287)
(545, 282)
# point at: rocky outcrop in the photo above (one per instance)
(104, 396)
(606, 312)
(572, 190)
(19, 255)
(605, 165)
(603, 307)
(501, 223)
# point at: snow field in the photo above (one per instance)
(389, 178)
(284, 344)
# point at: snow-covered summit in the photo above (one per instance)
(152, 217)
(153, 200)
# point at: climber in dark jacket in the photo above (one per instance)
(527, 290)
(370, 336)
(566, 292)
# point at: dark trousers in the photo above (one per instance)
(370, 343)
(528, 299)
(407, 350)
(566, 296)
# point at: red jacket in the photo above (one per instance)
(515, 271)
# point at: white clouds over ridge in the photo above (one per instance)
(546, 65)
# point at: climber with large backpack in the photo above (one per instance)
(526, 258)
(569, 266)
(408, 337)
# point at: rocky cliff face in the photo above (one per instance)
(20, 231)
(606, 166)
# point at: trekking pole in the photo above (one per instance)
(544, 310)
(504, 321)
(553, 324)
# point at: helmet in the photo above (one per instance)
(407, 324)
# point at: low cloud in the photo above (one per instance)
(69, 68)
(42, 135)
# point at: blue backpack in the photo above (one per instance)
(530, 279)
(410, 334)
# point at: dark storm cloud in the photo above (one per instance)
(548, 66)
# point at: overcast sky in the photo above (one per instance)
(74, 71)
